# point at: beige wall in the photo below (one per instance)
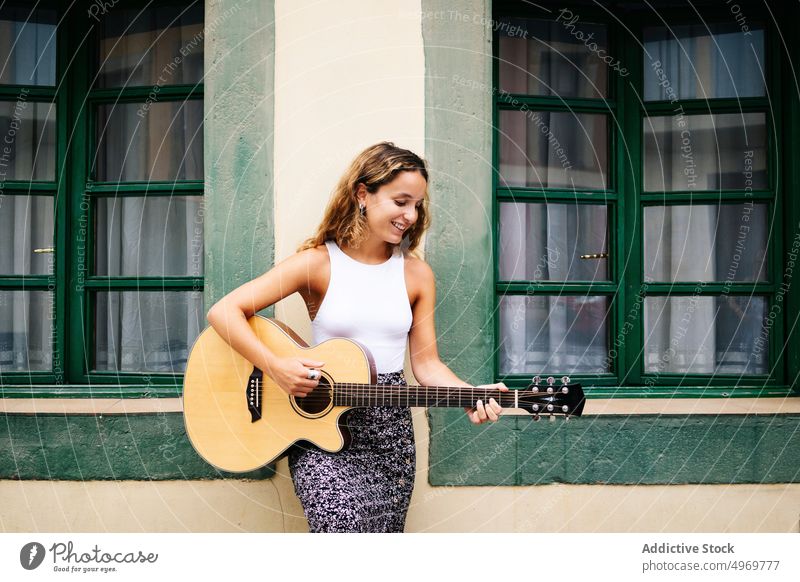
(271, 506)
(342, 83)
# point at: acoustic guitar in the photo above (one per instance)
(238, 419)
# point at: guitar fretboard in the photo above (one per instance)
(345, 394)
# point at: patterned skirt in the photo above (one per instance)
(367, 486)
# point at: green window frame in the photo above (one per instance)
(76, 190)
(626, 288)
(22, 382)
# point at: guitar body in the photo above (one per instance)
(221, 427)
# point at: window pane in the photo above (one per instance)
(706, 335)
(544, 242)
(28, 151)
(542, 57)
(149, 331)
(158, 45)
(705, 61)
(705, 152)
(545, 149)
(26, 223)
(27, 45)
(725, 242)
(26, 331)
(149, 236)
(145, 142)
(558, 335)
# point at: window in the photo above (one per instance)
(638, 199)
(101, 195)
(28, 188)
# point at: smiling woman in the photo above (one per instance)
(360, 279)
(380, 175)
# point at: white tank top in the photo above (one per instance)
(369, 304)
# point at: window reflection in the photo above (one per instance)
(156, 45)
(544, 242)
(725, 151)
(150, 141)
(547, 149)
(542, 57)
(703, 61)
(27, 45)
(565, 335)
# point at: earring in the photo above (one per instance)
(362, 209)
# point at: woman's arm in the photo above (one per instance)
(428, 368)
(229, 318)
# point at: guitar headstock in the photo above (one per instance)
(548, 396)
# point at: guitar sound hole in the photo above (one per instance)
(318, 400)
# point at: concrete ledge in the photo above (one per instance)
(615, 449)
(626, 406)
(83, 447)
(90, 405)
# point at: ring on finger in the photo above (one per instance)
(313, 374)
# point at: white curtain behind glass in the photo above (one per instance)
(26, 223)
(521, 332)
(695, 69)
(135, 237)
(687, 254)
(155, 236)
(142, 238)
(543, 243)
(148, 237)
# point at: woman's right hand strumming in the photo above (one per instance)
(291, 374)
(229, 317)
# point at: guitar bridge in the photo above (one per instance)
(254, 393)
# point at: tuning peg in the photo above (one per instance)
(535, 389)
(537, 379)
(549, 408)
(565, 409)
(535, 408)
(550, 380)
(549, 389)
(564, 390)
(536, 418)
(565, 379)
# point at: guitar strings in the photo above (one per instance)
(379, 395)
(394, 395)
(382, 393)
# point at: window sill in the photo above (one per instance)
(594, 407)
(91, 391)
(92, 406)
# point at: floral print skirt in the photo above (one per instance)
(367, 486)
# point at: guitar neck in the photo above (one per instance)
(418, 396)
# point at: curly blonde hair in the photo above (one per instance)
(375, 166)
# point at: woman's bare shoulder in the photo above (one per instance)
(419, 277)
(316, 256)
(309, 258)
(316, 264)
(417, 267)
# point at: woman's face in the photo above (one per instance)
(392, 210)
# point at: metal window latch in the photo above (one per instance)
(50, 250)
(595, 256)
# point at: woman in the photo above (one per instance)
(359, 279)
